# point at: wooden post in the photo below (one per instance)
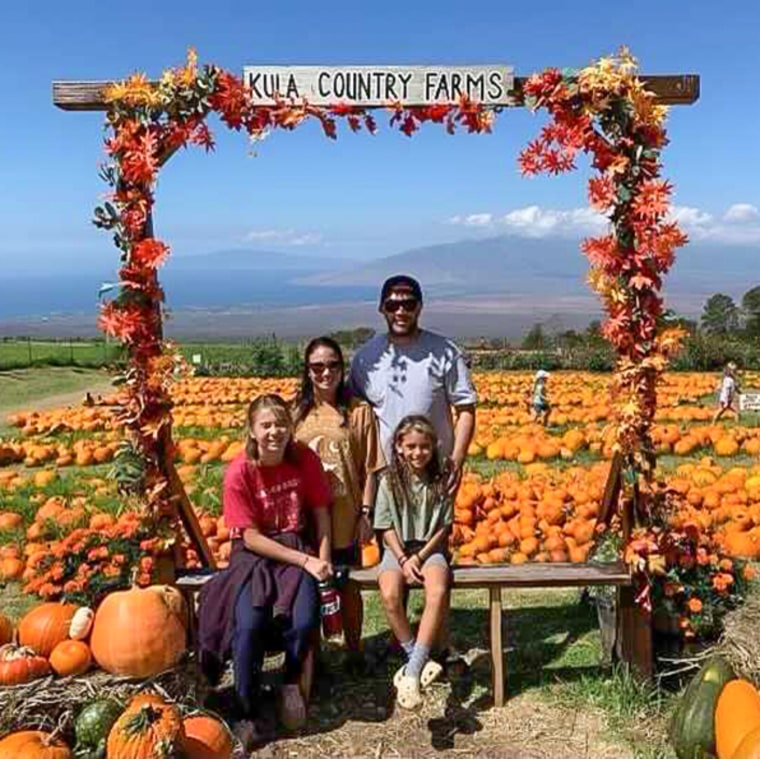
(634, 635)
(498, 673)
(611, 489)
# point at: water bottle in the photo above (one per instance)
(329, 605)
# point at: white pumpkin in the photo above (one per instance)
(81, 623)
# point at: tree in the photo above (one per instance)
(720, 316)
(751, 311)
(535, 340)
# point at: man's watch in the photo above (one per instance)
(366, 511)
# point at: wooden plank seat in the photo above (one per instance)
(495, 579)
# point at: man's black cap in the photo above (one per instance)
(399, 281)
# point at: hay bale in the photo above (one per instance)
(48, 703)
(740, 642)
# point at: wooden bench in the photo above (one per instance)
(632, 627)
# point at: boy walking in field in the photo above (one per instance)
(539, 401)
(728, 393)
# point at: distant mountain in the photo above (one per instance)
(540, 266)
(495, 264)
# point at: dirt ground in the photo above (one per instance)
(357, 717)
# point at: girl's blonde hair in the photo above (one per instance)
(280, 409)
(399, 472)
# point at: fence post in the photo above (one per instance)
(71, 350)
(29, 347)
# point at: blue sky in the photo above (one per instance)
(361, 196)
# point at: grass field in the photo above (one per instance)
(15, 354)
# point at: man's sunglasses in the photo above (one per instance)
(318, 367)
(408, 304)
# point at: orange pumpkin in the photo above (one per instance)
(737, 713)
(749, 748)
(140, 632)
(20, 665)
(6, 630)
(45, 626)
(33, 744)
(71, 658)
(206, 738)
(370, 554)
(10, 520)
(11, 568)
(149, 728)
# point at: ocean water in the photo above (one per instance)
(30, 296)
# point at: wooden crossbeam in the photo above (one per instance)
(670, 89)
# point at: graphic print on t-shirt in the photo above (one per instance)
(280, 506)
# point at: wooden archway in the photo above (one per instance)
(151, 120)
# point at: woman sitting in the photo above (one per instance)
(271, 492)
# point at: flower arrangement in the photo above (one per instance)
(89, 563)
(684, 573)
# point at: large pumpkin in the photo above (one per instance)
(70, 658)
(149, 728)
(692, 729)
(6, 630)
(140, 632)
(20, 665)
(736, 715)
(749, 748)
(33, 744)
(45, 626)
(206, 737)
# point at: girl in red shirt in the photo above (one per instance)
(273, 492)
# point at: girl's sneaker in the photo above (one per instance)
(292, 707)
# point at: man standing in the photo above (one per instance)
(409, 370)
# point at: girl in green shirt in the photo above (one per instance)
(414, 515)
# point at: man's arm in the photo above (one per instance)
(463, 433)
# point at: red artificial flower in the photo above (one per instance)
(149, 253)
(601, 193)
(652, 200)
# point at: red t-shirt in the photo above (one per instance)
(274, 498)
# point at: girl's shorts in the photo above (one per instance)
(540, 406)
(389, 562)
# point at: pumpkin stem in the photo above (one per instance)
(142, 719)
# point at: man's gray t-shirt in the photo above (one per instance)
(425, 377)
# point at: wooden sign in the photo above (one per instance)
(749, 400)
(371, 86)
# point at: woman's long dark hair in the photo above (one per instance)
(399, 472)
(304, 402)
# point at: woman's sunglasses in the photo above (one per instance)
(319, 367)
(408, 304)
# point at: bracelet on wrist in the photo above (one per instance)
(365, 511)
(403, 559)
(305, 561)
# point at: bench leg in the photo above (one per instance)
(498, 673)
(635, 635)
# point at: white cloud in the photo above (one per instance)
(738, 225)
(534, 221)
(689, 217)
(741, 212)
(283, 237)
(473, 220)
